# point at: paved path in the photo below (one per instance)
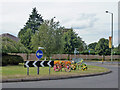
(102, 81)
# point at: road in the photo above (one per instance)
(102, 81)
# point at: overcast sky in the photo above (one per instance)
(88, 19)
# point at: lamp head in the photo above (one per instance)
(40, 48)
(106, 11)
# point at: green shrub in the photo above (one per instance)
(11, 59)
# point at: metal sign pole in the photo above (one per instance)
(49, 66)
(39, 55)
(89, 55)
(38, 68)
(102, 59)
(49, 70)
(27, 70)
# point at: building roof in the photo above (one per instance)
(14, 38)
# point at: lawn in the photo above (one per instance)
(18, 71)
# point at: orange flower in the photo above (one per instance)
(57, 62)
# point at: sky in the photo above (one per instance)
(87, 18)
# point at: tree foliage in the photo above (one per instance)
(10, 46)
(26, 38)
(31, 26)
(49, 37)
(92, 45)
(116, 51)
(119, 47)
(11, 59)
(102, 47)
(72, 41)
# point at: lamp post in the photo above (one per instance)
(111, 31)
(75, 51)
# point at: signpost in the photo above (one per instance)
(50, 65)
(39, 55)
(102, 59)
(89, 54)
(39, 63)
(26, 64)
(75, 51)
(89, 51)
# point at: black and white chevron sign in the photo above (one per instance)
(39, 63)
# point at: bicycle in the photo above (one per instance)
(58, 65)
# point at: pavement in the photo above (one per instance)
(102, 81)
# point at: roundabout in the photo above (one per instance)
(19, 76)
(107, 80)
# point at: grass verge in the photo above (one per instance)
(13, 72)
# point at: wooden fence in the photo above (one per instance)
(32, 56)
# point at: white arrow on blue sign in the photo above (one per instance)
(39, 54)
(89, 51)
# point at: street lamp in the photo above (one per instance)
(111, 31)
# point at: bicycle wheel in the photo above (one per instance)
(67, 68)
(83, 67)
(56, 67)
(73, 67)
(79, 66)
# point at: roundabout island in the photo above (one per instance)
(19, 73)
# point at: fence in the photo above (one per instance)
(32, 56)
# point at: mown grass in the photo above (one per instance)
(18, 71)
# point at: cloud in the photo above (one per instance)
(81, 21)
(89, 20)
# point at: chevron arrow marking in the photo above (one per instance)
(27, 63)
(35, 64)
(42, 63)
(49, 63)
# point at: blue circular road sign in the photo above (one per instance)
(39, 54)
(89, 51)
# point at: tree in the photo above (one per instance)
(116, 50)
(21, 48)
(59, 41)
(10, 46)
(72, 41)
(49, 37)
(33, 23)
(92, 45)
(26, 38)
(102, 47)
(81, 44)
(119, 47)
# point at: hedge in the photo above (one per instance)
(11, 59)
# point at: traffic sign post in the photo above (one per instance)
(89, 54)
(39, 63)
(27, 70)
(27, 67)
(49, 65)
(38, 70)
(102, 59)
(89, 51)
(39, 55)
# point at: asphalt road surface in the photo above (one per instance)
(102, 81)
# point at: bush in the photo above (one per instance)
(11, 59)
